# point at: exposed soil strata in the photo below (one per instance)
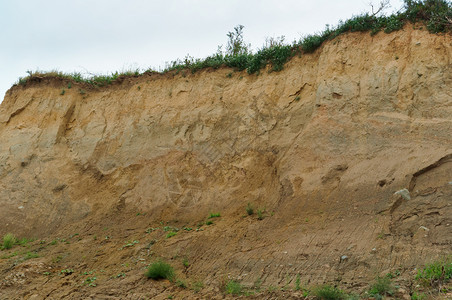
(317, 150)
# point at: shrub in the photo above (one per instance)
(234, 287)
(436, 273)
(382, 287)
(9, 240)
(327, 292)
(311, 42)
(160, 270)
(236, 45)
(436, 14)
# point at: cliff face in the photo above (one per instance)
(322, 146)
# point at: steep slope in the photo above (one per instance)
(319, 148)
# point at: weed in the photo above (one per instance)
(197, 286)
(62, 92)
(169, 228)
(234, 287)
(128, 244)
(160, 270)
(391, 275)
(272, 288)
(209, 222)
(416, 296)
(69, 85)
(8, 241)
(297, 98)
(22, 81)
(24, 242)
(229, 75)
(30, 255)
(181, 284)
(46, 273)
(185, 262)
(257, 284)
(249, 209)
(260, 214)
(214, 215)
(297, 283)
(87, 272)
(149, 230)
(9, 255)
(57, 259)
(436, 273)
(67, 271)
(327, 292)
(236, 45)
(382, 287)
(171, 234)
(90, 281)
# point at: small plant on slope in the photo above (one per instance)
(8, 241)
(327, 292)
(214, 215)
(249, 209)
(234, 287)
(160, 270)
(437, 273)
(382, 287)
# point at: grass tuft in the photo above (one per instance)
(8, 241)
(160, 270)
(327, 292)
(234, 287)
(249, 209)
(382, 287)
(214, 215)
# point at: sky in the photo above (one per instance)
(104, 36)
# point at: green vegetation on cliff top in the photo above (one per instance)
(436, 15)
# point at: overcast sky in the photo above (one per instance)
(103, 36)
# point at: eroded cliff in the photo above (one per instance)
(319, 148)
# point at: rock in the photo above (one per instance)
(404, 193)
